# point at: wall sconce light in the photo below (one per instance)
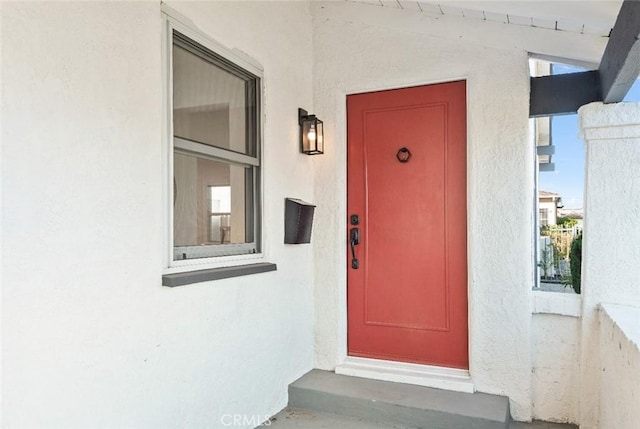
(311, 133)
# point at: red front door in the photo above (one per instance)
(407, 298)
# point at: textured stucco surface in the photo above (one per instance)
(90, 338)
(610, 269)
(555, 352)
(620, 372)
(355, 55)
(556, 367)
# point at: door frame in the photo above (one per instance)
(389, 370)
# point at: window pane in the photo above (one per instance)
(544, 217)
(212, 206)
(212, 105)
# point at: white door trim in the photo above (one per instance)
(438, 377)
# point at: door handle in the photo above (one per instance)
(354, 239)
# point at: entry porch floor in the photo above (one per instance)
(299, 418)
(325, 400)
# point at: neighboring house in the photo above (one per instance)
(145, 278)
(548, 205)
(575, 214)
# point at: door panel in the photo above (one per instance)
(407, 301)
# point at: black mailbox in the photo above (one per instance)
(298, 219)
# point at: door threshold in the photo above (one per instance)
(437, 377)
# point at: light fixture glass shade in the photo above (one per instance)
(311, 134)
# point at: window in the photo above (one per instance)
(544, 217)
(215, 144)
(220, 214)
(559, 187)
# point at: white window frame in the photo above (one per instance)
(172, 20)
(543, 214)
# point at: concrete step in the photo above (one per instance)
(403, 405)
(298, 418)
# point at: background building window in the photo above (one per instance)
(544, 217)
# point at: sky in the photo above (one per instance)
(568, 177)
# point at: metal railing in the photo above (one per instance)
(555, 251)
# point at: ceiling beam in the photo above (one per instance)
(620, 65)
(545, 150)
(563, 93)
(547, 167)
(618, 71)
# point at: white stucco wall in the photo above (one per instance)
(351, 55)
(556, 355)
(556, 367)
(610, 255)
(620, 360)
(90, 338)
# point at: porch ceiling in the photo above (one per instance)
(577, 16)
(602, 34)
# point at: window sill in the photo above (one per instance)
(562, 304)
(190, 277)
